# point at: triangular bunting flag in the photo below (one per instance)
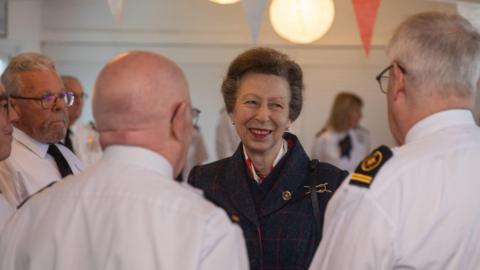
(471, 12)
(366, 14)
(254, 10)
(116, 7)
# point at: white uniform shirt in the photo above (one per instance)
(226, 137)
(125, 212)
(28, 169)
(325, 148)
(422, 210)
(85, 142)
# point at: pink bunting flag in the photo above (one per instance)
(366, 14)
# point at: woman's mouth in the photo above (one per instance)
(260, 133)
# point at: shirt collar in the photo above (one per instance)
(438, 121)
(38, 148)
(283, 150)
(139, 156)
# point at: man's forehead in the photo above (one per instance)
(41, 80)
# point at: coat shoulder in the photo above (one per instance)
(331, 174)
(203, 175)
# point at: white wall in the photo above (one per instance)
(24, 28)
(204, 37)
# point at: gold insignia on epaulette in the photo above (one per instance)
(362, 178)
(369, 167)
(372, 161)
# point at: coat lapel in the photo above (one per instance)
(235, 183)
(289, 185)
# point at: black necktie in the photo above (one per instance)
(68, 140)
(62, 163)
(345, 147)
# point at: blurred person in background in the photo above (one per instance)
(342, 142)
(82, 138)
(226, 138)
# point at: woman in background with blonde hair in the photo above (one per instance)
(342, 142)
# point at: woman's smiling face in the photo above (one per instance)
(261, 112)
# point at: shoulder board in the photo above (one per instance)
(30, 196)
(369, 167)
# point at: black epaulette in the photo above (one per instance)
(369, 167)
(42, 189)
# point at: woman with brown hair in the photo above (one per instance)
(269, 186)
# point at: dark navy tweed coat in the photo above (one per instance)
(281, 234)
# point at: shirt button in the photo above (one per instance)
(286, 195)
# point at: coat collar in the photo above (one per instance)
(290, 179)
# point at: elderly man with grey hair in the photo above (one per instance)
(40, 99)
(416, 206)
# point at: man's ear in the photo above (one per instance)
(398, 83)
(178, 121)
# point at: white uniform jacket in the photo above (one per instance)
(422, 210)
(326, 149)
(85, 142)
(28, 169)
(125, 212)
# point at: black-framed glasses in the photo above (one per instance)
(50, 100)
(195, 115)
(384, 76)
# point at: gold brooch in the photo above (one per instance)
(320, 188)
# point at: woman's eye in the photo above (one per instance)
(276, 105)
(251, 102)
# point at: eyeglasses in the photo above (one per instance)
(79, 97)
(49, 101)
(4, 106)
(383, 77)
(195, 115)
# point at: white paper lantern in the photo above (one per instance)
(302, 21)
(224, 2)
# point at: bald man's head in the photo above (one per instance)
(136, 88)
(141, 99)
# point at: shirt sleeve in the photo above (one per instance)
(357, 235)
(224, 246)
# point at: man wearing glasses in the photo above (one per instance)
(416, 206)
(39, 98)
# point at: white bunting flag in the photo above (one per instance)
(116, 7)
(254, 10)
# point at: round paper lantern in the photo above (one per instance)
(302, 21)
(223, 2)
